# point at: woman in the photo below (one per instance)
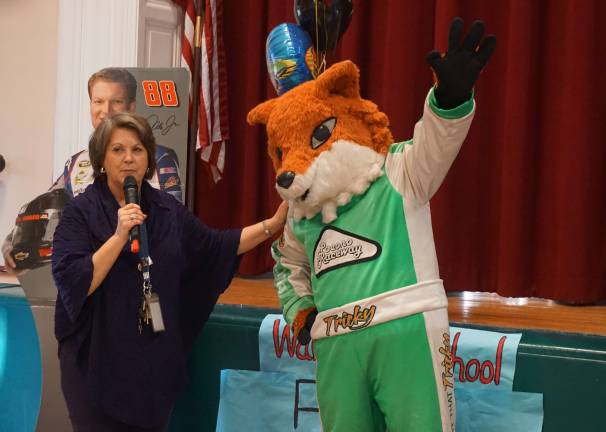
(116, 372)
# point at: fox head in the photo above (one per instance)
(326, 142)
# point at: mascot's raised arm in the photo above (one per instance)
(356, 268)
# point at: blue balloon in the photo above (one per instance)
(289, 57)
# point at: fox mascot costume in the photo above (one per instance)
(356, 267)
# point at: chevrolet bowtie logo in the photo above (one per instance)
(20, 256)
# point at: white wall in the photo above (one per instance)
(28, 52)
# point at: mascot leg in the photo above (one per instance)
(410, 389)
(344, 392)
(387, 377)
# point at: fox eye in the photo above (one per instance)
(323, 132)
(279, 153)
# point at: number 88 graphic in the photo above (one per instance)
(160, 93)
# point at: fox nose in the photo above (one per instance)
(285, 179)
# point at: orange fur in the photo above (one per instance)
(291, 118)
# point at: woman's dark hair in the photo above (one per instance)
(99, 140)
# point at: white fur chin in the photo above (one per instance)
(346, 170)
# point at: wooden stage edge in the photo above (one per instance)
(463, 308)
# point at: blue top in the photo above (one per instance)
(136, 378)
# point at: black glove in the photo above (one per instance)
(304, 335)
(458, 70)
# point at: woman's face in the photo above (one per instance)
(125, 156)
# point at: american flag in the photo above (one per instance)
(213, 129)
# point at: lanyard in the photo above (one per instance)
(145, 259)
(150, 311)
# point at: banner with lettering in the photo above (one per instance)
(279, 351)
(267, 401)
(478, 357)
(483, 367)
(483, 358)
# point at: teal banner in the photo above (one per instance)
(483, 359)
(279, 351)
(481, 409)
(20, 364)
(281, 397)
(267, 401)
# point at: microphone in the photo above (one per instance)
(131, 196)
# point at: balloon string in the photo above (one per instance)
(319, 57)
(322, 65)
(317, 53)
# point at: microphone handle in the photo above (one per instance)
(134, 239)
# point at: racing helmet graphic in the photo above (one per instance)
(32, 238)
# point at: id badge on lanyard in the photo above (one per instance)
(150, 312)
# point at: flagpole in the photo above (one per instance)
(193, 126)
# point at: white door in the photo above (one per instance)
(159, 26)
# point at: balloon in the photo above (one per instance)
(289, 57)
(324, 20)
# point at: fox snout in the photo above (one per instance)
(285, 179)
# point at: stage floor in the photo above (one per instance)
(463, 308)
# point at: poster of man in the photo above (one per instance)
(158, 94)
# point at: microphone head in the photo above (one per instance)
(131, 191)
(130, 182)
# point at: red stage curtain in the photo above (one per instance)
(523, 210)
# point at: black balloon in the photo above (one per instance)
(324, 20)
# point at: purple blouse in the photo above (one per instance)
(135, 378)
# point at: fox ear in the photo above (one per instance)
(341, 79)
(260, 113)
